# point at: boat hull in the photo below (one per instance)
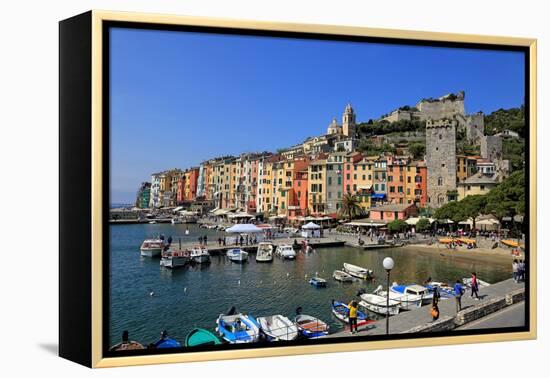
(310, 327)
(150, 252)
(173, 262)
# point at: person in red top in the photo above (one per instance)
(475, 287)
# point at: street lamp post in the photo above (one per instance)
(388, 265)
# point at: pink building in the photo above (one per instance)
(392, 212)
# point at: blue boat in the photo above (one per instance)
(341, 311)
(238, 328)
(318, 282)
(311, 327)
(444, 291)
(166, 342)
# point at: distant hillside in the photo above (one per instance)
(502, 119)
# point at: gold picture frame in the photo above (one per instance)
(91, 25)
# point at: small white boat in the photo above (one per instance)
(278, 327)
(318, 282)
(480, 283)
(286, 251)
(406, 302)
(378, 304)
(238, 328)
(200, 255)
(152, 247)
(311, 327)
(176, 220)
(237, 255)
(264, 252)
(414, 292)
(174, 259)
(153, 222)
(357, 271)
(342, 276)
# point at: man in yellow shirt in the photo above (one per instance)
(352, 317)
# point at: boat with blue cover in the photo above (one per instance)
(238, 328)
(341, 311)
(200, 336)
(318, 282)
(413, 292)
(166, 341)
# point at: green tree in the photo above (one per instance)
(452, 210)
(423, 225)
(350, 206)
(508, 198)
(472, 207)
(397, 225)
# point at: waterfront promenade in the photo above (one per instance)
(420, 320)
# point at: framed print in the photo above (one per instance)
(235, 189)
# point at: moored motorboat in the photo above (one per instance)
(152, 247)
(414, 291)
(311, 327)
(176, 220)
(264, 252)
(357, 271)
(200, 255)
(379, 304)
(286, 251)
(237, 255)
(278, 327)
(238, 328)
(342, 276)
(174, 258)
(200, 336)
(406, 301)
(318, 282)
(341, 311)
(445, 291)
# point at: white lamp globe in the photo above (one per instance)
(388, 263)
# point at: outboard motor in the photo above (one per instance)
(232, 311)
(299, 310)
(361, 291)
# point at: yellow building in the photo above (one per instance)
(477, 184)
(465, 166)
(317, 187)
(363, 180)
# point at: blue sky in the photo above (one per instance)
(180, 98)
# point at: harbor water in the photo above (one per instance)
(146, 298)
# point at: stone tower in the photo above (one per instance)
(348, 122)
(441, 161)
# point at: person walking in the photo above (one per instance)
(200, 240)
(436, 296)
(352, 317)
(458, 291)
(434, 312)
(515, 268)
(474, 287)
(205, 240)
(521, 271)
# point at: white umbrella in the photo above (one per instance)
(243, 228)
(311, 226)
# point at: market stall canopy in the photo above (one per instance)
(413, 221)
(243, 228)
(311, 226)
(366, 223)
(240, 215)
